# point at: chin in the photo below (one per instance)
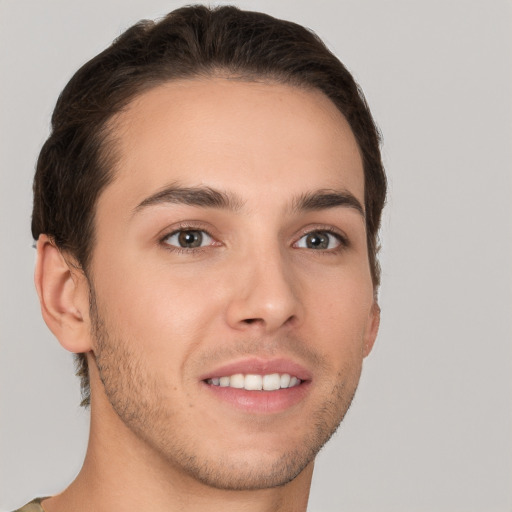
(266, 463)
(249, 473)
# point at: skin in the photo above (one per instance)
(163, 316)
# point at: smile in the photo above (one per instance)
(254, 382)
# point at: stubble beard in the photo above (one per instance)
(137, 399)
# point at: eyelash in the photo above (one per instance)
(341, 238)
(185, 250)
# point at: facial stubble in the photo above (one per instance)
(138, 400)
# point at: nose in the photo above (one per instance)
(265, 296)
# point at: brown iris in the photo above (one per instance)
(190, 239)
(317, 240)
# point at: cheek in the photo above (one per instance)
(339, 309)
(155, 306)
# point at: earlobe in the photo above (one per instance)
(63, 295)
(372, 329)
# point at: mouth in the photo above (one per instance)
(255, 382)
(259, 386)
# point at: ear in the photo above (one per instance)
(372, 328)
(64, 297)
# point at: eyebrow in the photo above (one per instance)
(327, 198)
(205, 197)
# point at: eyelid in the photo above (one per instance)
(329, 229)
(201, 226)
(186, 226)
(206, 238)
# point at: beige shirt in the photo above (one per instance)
(33, 506)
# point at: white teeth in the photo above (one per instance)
(252, 382)
(271, 382)
(237, 381)
(285, 380)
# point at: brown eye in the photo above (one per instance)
(319, 240)
(189, 238)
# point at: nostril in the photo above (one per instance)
(250, 320)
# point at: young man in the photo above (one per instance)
(206, 213)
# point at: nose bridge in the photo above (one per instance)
(266, 294)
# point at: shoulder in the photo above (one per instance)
(33, 506)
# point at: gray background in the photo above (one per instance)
(431, 426)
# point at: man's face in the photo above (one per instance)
(231, 254)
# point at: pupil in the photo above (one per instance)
(317, 241)
(190, 239)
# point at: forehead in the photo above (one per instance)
(251, 137)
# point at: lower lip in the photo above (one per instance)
(261, 402)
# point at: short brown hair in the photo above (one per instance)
(77, 161)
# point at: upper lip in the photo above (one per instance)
(259, 366)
